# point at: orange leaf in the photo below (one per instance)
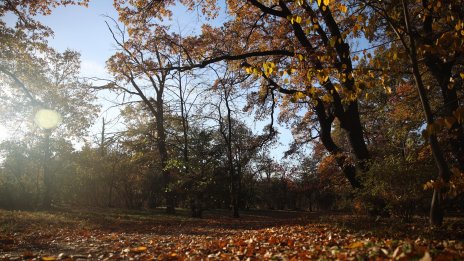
(48, 258)
(139, 249)
(356, 244)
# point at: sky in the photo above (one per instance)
(84, 30)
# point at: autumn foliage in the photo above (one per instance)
(372, 92)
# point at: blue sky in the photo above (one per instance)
(84, 30)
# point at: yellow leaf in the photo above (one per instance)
(428, 185)
(298, 19)
(309, 75)
(299, 96)
(139, 249)
(48, 258)
(300, 57)
(256, 71)
(388, 90)
(326, 2)
(462, 74)
(332, 41)
(327, 98)
(356, 245)
(319, 2)
(343, 8)
(312, 90)
(322, 77)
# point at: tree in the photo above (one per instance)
(133, 65)
(57, 96)
(296, 48)
(225, 86)
(424, 40)
(22, 44)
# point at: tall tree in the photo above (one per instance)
(133, 66)
(429, 38)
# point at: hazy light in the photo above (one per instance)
(47, 119)
(4, 133)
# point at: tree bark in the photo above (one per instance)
(436, 206)
(325, 122)
(442, 72)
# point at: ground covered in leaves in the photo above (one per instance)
(102, 234)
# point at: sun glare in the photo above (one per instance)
(4, 133)
(47, 119)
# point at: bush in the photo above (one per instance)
(394, 187)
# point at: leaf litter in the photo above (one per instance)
(299, 236)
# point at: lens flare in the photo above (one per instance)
(47, 119)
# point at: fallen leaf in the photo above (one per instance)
(356, 245)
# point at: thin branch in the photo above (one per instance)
(20, 84)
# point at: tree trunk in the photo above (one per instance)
(47, 200)
(436, 208)
(442, 72)
(356, 136)
(350, 120)
(161, 135)
(325, 122)
(231, 169)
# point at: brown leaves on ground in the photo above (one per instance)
(256, 236)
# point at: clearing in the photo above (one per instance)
(108, 234)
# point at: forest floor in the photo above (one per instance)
(112, 234)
